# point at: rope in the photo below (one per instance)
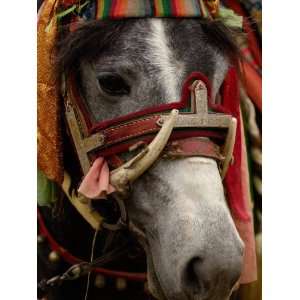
(91, 260)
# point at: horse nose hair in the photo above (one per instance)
(202, 275)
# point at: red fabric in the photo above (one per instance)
(231, 104)
(246, 229)
(247, 55)
(253, 84)
(237, 181)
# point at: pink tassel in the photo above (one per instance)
(95, 184)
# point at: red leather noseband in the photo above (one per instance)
(195, 146)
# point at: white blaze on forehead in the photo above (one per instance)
(161, 55)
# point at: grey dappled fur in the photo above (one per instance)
(193, 248)
(131, 56)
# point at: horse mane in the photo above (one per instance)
(86, 41)
(225, 39)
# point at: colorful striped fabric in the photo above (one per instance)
(116, 9)
(120, 9)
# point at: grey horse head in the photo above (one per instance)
(193, 248)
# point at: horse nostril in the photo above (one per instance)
(202, 275)
(194, 278)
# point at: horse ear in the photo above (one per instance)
(49, 110)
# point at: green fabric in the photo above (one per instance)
(74, 8)
(230, 18)
(107, 5)
(167, 7)
(47, 190)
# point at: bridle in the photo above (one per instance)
(198, 131)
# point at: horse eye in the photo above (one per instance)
(113, 84)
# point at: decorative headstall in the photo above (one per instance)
(183, 132)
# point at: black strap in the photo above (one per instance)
(78, 270)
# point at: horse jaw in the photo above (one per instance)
(181, 209)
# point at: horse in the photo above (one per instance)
(190, 245)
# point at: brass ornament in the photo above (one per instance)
(54, 257)
(121, 284)
(100, 281)
(40, 239)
